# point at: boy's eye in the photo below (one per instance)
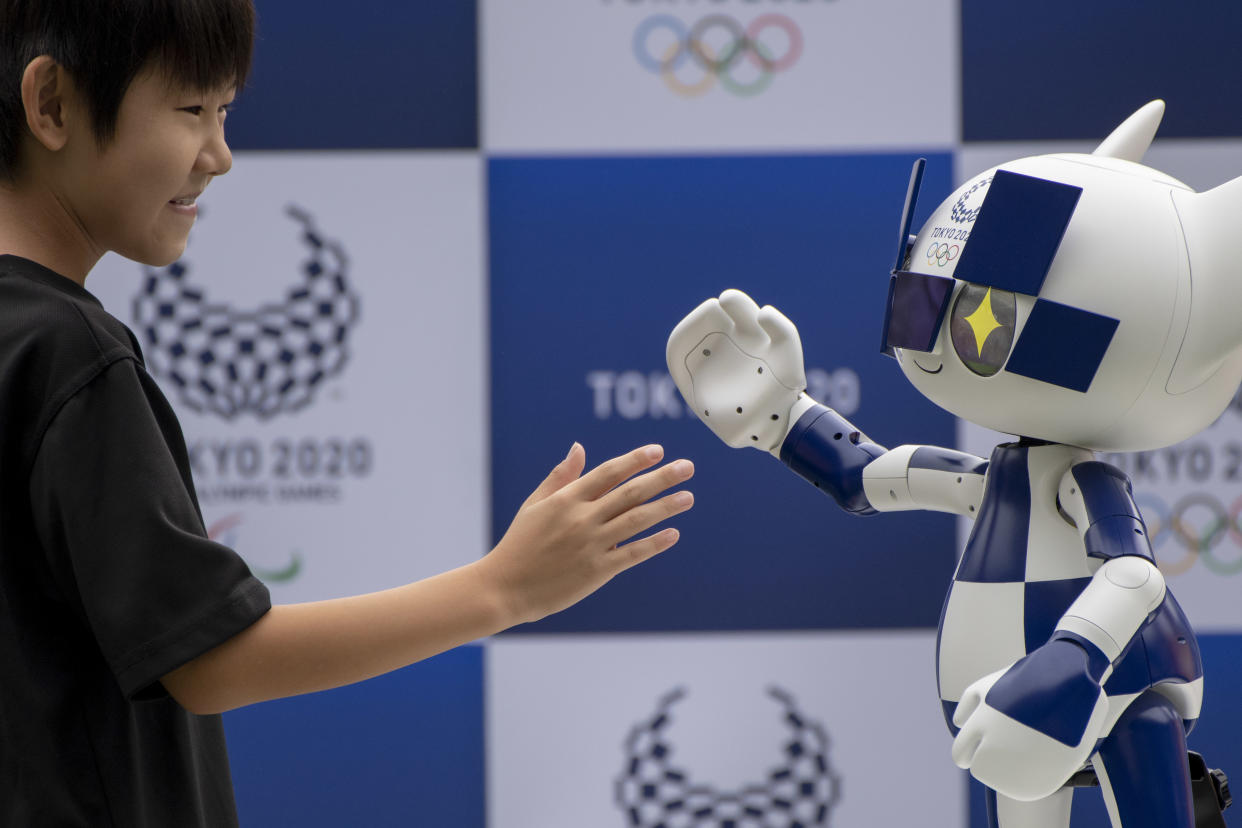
(198, 109)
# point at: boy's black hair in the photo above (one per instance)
(104, 44)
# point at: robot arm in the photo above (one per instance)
(864, 478)
(740, 368)
(1098, 498)
(825, 449)
(926, 477)
(1128, 587)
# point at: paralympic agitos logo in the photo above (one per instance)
(717, 50)
(225, 531)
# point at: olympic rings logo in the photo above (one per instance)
(716, 63)
(1198, 524)
(941, 254)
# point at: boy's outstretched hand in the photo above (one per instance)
(564, 542)
(562, 546)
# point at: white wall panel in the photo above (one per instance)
(561, 709)
(379, 477)
(613, 76)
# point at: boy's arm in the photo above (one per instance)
(561, 546)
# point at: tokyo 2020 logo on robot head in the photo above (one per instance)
(966, 208)
(265, 361)
(654, 790)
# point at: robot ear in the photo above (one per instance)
(1210, 225)
(1130, 140)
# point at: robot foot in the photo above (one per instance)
(1209, 788)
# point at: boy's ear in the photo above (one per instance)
(47, 92)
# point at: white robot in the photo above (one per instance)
(1085, 303)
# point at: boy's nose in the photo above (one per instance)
(216, 158)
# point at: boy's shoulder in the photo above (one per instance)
(46, 316)
(56, 339)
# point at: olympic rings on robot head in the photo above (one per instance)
(689, 43)
(1197, 542)
(940, 254)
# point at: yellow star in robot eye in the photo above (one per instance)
(983, 321)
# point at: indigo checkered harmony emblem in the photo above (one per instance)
(655, 792)
(960, 213)
(265, 361)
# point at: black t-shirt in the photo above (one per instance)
(107, 578)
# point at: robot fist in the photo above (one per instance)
(1025, 730)
(739, 367)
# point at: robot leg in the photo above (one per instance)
(1142, 767)
(1049, 812)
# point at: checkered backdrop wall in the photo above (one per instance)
(454, 241)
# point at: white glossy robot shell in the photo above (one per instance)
(1140, 248)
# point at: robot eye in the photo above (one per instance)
(982, 327)
(917, 303)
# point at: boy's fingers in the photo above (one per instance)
(564, 473)
(610, 474)
(635, 553)
(642, 518)
(635, 492)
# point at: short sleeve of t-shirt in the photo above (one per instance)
(124, 536)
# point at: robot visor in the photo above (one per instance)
(916, 309)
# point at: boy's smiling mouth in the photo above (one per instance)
(185, 205)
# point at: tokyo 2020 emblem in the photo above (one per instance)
(654, 790)
(719, 49)
(265, 361)
(966, 208)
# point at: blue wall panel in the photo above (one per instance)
(593, 261)
(364, 75)
(400, 750)
(1063, 69)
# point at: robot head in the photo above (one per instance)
(1082, 299)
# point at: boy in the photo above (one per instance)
(124, 631)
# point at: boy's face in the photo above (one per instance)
(136, 195)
